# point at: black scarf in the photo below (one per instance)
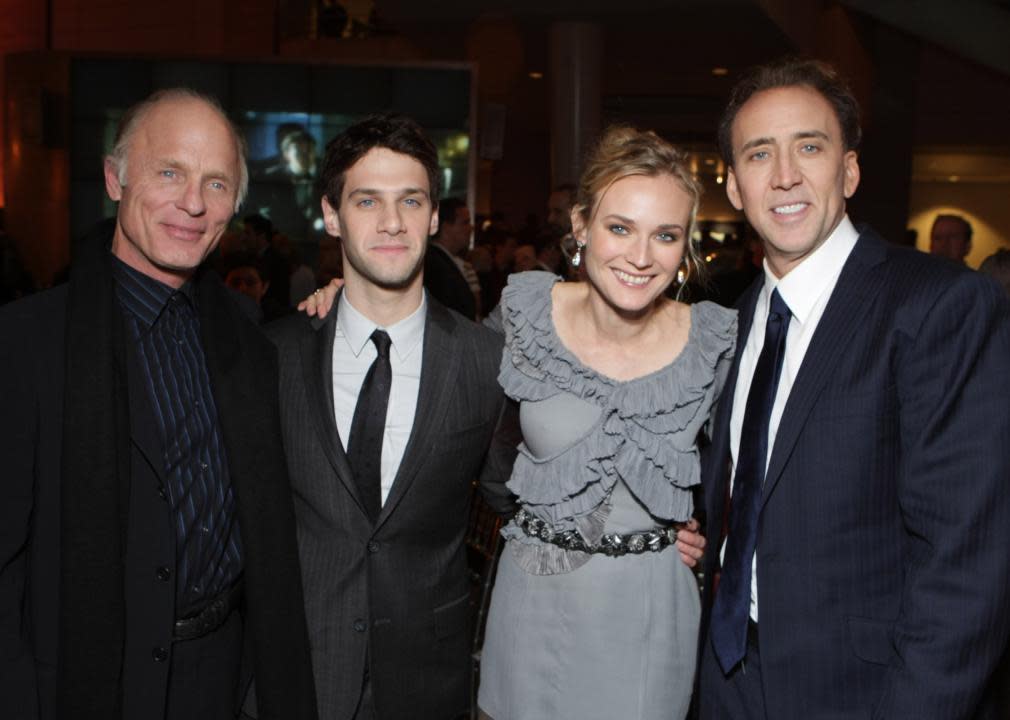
(94, 490)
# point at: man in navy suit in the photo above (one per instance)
(860, 456)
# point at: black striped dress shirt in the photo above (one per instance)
(164, 325)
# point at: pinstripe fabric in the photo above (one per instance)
(164, 325)
(397, 587)
(884, 583)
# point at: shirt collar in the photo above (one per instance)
(357, 329)
(804, 285)
(144, 296)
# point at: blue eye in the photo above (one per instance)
(366, 203)
(217, 185)
(618, 229)
(810, 148)
(667, 237)
(412, 202)
(759, 155)
(168, 173)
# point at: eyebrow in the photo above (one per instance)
(403, 192)
(802, 135)
(628, 221)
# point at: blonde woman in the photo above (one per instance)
(593, 613)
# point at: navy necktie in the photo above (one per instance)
(732, 602)
(364, 447)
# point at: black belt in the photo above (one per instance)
(212, 616)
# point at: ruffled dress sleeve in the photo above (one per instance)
(646, 434)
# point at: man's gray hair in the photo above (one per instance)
(131, 119)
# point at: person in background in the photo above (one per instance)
(997, 266)
(950, 237)
(448, 277)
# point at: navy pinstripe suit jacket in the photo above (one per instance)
(883, 570)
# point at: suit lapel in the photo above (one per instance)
(439, 366)
(143, 432)
(317, 364)
(850, 301)
(236, 397)
(717, 457)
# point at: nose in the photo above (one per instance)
(390, 220)
(192, 200)
(786, 173)
(639, 252)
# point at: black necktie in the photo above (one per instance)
(732, 601)
(364, 448)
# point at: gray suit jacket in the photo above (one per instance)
(393, 595)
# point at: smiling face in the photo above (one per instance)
(635, 241)
(182, 177)
(791, 172)
(384, 220)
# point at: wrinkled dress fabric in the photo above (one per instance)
(581, 636)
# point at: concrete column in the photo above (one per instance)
(576, 61)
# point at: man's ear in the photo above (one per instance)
(851, 162)
(433, 225)
(112, 186)
(732, 190)
(331, 220)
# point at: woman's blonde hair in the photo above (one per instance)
(624, 151)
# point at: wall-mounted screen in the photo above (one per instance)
(287, 113)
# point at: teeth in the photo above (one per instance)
(631, 279)
(789, 209)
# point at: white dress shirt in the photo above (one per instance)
(806, 289)
(353, 354)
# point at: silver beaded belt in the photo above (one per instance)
(611, 544)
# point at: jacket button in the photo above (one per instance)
(159, 654)
(162, 493)
(163, 573)
(373, 547)
(360, 625)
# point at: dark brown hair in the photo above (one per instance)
(392, 131)
(787, 72)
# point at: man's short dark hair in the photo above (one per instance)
(788, 72)
(447, 210)
(395, 132)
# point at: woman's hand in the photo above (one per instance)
(690, 542)
(320, 302)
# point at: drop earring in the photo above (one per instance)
(577, 257)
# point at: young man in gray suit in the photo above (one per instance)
(388, 408)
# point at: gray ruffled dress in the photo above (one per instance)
(584, 636)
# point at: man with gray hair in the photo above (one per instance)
(147, 536)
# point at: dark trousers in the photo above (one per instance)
(737, 696)
(366, 707)
(203, 680)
